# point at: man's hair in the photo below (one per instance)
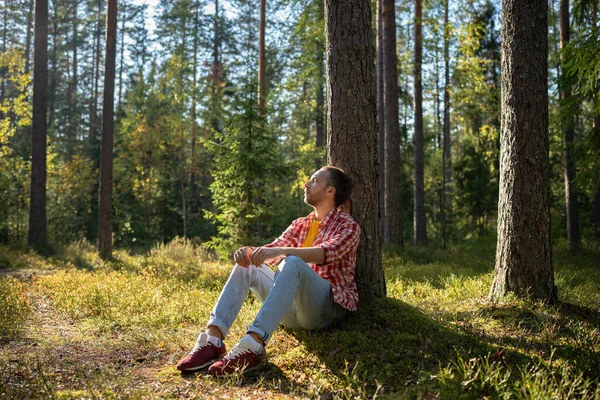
(341, 182)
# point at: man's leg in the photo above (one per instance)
(299, 298)
(257, 279)
(209, 346)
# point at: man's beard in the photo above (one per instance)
(313, 199)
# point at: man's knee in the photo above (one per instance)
(292, 262)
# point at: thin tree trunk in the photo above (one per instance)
(38, 236)
(4, 33)
(121, 64)
(596, 128)
(352, 126)
(262, 60)
(446, 154)
(524, 251)
(393, 209)
(193, 189)
(52, 91)
(93, 138)
(381, 123)
(28, 38)
(573, 230)
(320, 95)
(72, 92)
(420, 230)
(216, 68)
(106, 150)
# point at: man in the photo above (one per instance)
(312, 288)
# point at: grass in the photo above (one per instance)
(73, 326)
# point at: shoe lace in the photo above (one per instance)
(199, 346)
(237, 351)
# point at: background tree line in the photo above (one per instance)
(197, 155)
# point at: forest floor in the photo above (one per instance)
(72, 326)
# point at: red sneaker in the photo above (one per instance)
(240, 359)
(203, 355)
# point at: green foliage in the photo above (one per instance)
(15, 110)
(71, 187)
(246, 165)
(16, 309)
(476, 185)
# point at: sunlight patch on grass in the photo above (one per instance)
(15, 308)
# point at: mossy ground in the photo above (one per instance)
(73, 326)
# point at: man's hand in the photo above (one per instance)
(242, 256)
(262, 254)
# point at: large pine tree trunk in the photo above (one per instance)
(37, 211)
(573, 231)
(420, 229)
(524, 252)
(446, 155)
(393, 210)
(381, 122)
(352, 127)
(108, 126)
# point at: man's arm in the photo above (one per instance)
(312, 255)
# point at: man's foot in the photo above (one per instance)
(202, 356)
(240, 359)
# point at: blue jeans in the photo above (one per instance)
(295, 296)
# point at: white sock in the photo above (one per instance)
(215, 340)
(255, 346)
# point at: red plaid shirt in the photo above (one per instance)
(338, 236)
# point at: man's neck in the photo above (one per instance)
(321, 211)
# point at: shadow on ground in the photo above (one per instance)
(394, 345)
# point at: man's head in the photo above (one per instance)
(328, 184)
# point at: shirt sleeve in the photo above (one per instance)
(342, 242)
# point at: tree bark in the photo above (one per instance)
(573, 230)
(524, 252)
(392, 202)
(106, 146)
(352, 127)
(446, 154)
(381, 123)
(38, 236)
(262, 60)
(420, 229)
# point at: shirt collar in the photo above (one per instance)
(331, 214)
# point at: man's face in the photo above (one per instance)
(317, 188)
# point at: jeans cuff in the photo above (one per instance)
(263, 335)
(219, 324)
